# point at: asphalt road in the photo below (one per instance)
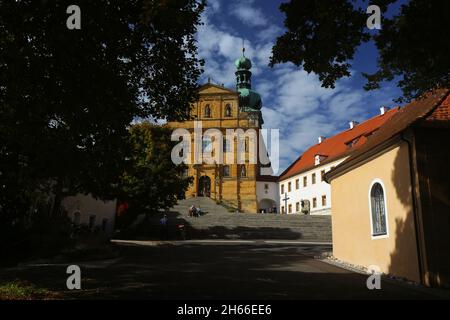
(215, 270)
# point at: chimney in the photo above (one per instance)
(383, 110)
(320, 139)
(353, 124)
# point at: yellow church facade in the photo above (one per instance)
(232, 183)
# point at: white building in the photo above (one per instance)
(267, 194)
(302, 188)
(96, 214)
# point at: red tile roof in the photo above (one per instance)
(442, 112)
(433, 107)
(339, 145)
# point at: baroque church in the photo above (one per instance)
(238, 184)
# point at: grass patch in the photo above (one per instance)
(21, 290)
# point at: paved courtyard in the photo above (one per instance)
(215, 270)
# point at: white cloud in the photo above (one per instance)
(346, 105)
(270, 33)
(213, 5)
(249, 14)
(220, 48)
(294, 101)
(303, 110)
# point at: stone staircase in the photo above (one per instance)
(219, 223)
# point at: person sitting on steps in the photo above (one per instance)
(192, 211)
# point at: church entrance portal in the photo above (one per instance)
(204, 186)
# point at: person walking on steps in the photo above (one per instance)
(164, 227)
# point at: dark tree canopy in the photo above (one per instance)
(151, 181)
(67, 97)
(322, 36)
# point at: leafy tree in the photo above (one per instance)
(151, 181)
(67, 97)
(322, 36)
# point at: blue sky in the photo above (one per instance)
(293, 101)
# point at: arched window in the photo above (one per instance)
(226, 145)
(207, 111)
(228, 110)
(226, 171)
(207, 145)
(378, 209)
(243, 172)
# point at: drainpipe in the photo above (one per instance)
(409, 141)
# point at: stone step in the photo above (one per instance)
(219, 223)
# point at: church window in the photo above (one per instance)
(322, 175)
(324, 201)
(282, 209)
(378, 209)
(297, 184)
(282, 188)
(228, 110)
(226, 145)
(207, 145)
(313, 178)
(290, 208)
(266, 186)
(243, 172)
(314, 202)
(297, 206)
(207, 111)
(289, 187)
(226, 171)
(305, 181)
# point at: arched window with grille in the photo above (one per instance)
(378, 211)
(228, 112)
(207, 111)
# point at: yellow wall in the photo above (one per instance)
(352, 239)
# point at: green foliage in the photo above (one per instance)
(21, 290)
(414, 46)
(152, 181)
(67, 97)
(322, 36)
(36, 234)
